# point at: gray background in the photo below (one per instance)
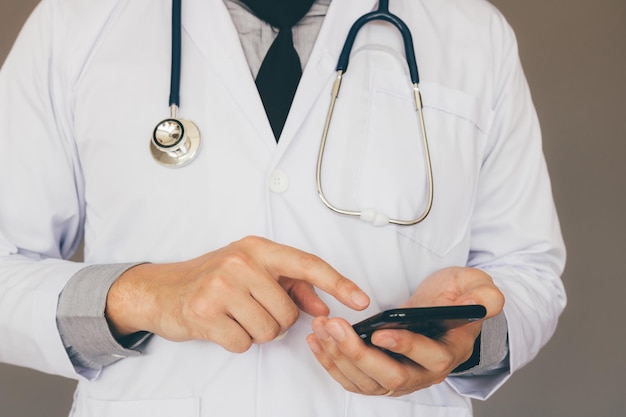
(575, 59)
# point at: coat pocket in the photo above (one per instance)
(376, 161)
(378, 406)
(180, 407)
(457, 124)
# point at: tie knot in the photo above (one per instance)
(282, 14)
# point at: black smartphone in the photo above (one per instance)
(430, 321)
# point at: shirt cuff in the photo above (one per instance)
(82, 324)
(491, 349)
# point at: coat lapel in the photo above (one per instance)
(209, 25)
(323, 60)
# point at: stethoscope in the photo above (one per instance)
(176, 142)
(375, 216)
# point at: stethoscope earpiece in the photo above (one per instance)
(175, 142)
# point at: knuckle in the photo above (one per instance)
(252, 240)
(237, 260)
(267, 335)
(240, 348)
(397, 381)
(217, 284)
(442, 364)
(356, 354)
(309, 261)
(370, 387)
(290, 316)
(351, 389)
(327, 363)
(238, 345)
(498, 298)
(205, 298)
(439, 379)
(334, 353)
(197, 307)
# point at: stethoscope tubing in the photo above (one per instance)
(176, 53)
(175, 142)
(185, 145)
(373, 216)
(382, 13)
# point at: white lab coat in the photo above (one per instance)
(88, 81)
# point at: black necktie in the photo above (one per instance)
(280, 70)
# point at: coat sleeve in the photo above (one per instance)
(515, 232)
(41, 197)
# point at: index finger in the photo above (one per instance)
(286, 261)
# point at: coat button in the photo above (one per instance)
(278, 181)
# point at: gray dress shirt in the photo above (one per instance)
(80, 315)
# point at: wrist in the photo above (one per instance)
(128, 304)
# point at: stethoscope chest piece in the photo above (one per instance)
(175, 142)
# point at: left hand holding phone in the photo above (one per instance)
(370, 371)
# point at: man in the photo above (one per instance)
(197, 294)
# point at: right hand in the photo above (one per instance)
(247, 292)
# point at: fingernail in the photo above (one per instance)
(385, 342)
(281, 336)
(320, 331)
(314, 346)
(336, 331)
(360, 299)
